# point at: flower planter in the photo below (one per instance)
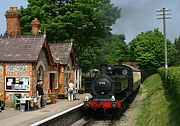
(53, 101)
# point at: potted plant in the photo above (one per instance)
(62, 95)
(53, 98)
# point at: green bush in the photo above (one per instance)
(52, 97)
(173, 80)
(81, 91)
(62, 95)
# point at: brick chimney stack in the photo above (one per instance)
(35, 26)
(13, 21)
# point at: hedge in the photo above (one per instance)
(173, 80)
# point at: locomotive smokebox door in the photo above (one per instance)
(102, 85)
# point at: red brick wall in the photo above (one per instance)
(24, 70)
(15, 70)
(61, 79)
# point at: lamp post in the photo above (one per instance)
(163, 13)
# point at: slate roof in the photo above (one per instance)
(60, 52)
(20, 49)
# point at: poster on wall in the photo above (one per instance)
(18, 83)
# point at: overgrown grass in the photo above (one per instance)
(158, 109)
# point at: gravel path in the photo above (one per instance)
(129, 117)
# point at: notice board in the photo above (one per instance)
(18, 83)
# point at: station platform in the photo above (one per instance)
(11, 117)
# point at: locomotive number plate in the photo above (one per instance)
(101, 83)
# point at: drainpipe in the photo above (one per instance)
(4, 73)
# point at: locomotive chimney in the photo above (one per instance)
(13, 21)
(103, 68)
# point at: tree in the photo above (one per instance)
(148, 50)
(84, 21)
(110, 50)
(177, 57)
(117, 49)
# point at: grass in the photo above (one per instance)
(158, 108)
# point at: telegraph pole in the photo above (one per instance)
(164, 15)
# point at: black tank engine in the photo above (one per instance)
(111, 86)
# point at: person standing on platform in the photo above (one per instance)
(74, 93)
(40, 93)
(70, 90)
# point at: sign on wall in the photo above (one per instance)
(17, 83)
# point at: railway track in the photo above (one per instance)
(97, 119)
(95, 122)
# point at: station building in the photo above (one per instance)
(24, 60)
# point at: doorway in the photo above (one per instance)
(51, 81)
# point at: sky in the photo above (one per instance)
(136, 16)
(141, 15)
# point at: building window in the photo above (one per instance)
(40, 73)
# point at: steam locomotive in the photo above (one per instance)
(112, 86)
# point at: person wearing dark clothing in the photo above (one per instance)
(40, 93)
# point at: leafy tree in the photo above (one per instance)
(110, 50)
(117, 49)
(84, 21)
(148, 50)
(177, 57)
